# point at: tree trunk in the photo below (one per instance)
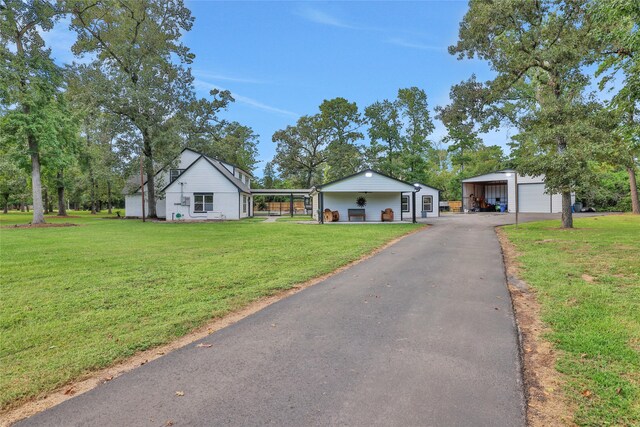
(5, 209)
(567, 216)
(21, 206)
(46, 201)
(62, 209)
(109, 204)
(633, 185)
(151, 190)
(93, 197)
(36, 183)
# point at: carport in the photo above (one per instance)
(504, 189)
(486, 192)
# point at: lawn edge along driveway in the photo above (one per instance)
(586, 283)
(94, 378)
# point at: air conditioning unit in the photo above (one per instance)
(185, 201)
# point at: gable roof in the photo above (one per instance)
(217, 165)
(133, 185)
(503, 171)
(429, 186)
(321, 187)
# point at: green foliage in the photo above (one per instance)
(340, 123)
(31, 105)
(302, 151)
(399, 132)
(140, 74)
(232, 142)
(103, 300)
(538, 51)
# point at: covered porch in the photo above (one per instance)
(367, 196)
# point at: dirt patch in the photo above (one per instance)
(62, 217)
(588, 278)
(546, 403)
(96, 378)
(45, 225)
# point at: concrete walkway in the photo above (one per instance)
(422, 334)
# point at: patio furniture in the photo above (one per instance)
(387, 215)
(356, 213)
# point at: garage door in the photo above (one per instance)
(531, 198)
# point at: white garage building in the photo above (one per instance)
(499, 188)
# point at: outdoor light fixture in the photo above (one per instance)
(508, 174)
(368, 174)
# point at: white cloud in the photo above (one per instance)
(414, 45)
(236, 79)
(320, 17)
(246, 100)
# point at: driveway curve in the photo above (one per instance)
(422, 334)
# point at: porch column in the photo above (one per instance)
(321, 208)
(413, 206)
(291, 204)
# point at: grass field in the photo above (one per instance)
(588, 283)
(75, 299)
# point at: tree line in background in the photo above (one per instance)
(545, 55)
(331, 144)
(73, 133)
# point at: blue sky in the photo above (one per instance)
(282, 59)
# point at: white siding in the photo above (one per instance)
(187, 158)
(133, 205)
(376, 202)
(362, 183)
(425, 190)
(203, 178)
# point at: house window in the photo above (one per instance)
(405, 203)
(203, 202)
(427, 203)
(174, 174)
(244, 204)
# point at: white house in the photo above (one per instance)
(197, 187)
(362, 197)
(499, 188)
(427, 201)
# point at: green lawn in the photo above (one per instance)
(588, 283)
(294, 218)
(75, 299)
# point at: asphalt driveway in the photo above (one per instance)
(421, 334)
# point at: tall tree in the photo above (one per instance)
(139, 72)
(301, 152)
(458, 118)
(385, 126)
(616, 23)
(229, 141)
(537, 49)
(342, 121)
(417, 149)
(29, 82)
